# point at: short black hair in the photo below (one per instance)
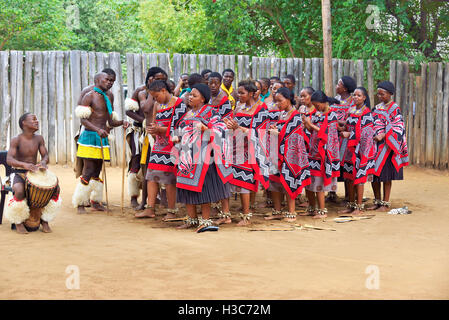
(158, 85)
(195, 78)
(291, 77)
(215, 75)
(22, 118)
(266, 81)
(205, 71)
(154, 71)
(275, 78)
(228, 70)
(109, 71)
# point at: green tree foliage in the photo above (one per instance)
(396, 29)
(27, 25)
(169, 25)
(106, 25)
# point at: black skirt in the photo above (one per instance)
(213, 190)
(389, 172)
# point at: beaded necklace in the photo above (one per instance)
(250, 107)
(165, 106)
(285, 115)
(356, 111)
(194, 113)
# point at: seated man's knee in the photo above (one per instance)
(19, 191)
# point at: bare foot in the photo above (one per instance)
(382, 209)
(169, 216)
(141, 206)
(357, 212)
(81, 210)
(186, 226)
(96, 206)
(306, 214)
(45, 227)
(20, 228)
(344, 211)
(289, 219)
(134, 202)
(373, 207)
(319, 216)
(223, 221)
(148, 213)
(274, 217)
(244, 222)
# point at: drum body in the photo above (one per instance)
(40, 188)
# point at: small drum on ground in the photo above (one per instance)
(40, 188)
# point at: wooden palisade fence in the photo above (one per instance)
(49, 84)
(424, 101)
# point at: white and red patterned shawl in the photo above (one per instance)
(324, 146)
(358, 161)
(194, 153)
(293, 156)
(388, 119)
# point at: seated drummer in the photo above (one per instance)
(22, 157)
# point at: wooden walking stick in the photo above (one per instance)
(104, 175)
(123, 170)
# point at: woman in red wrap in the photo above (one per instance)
(203, 169)
(360, 154)
(391, 141)
(161, 166)
(293, 165)
(250, 157)
(324, 153)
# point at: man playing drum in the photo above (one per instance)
(22, 156)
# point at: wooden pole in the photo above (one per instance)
(327, 45)
(123, 170)
(104, 175)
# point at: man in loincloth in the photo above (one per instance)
(111, 78)
(22, 157)
(97, 118)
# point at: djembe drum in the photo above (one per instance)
(40, 188)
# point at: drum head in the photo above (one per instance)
(42, 179)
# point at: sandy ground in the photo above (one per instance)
(119, 257)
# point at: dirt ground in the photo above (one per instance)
(120, 257)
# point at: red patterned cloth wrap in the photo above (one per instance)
(360, 154)
(161, 157)
(293, 155)
(273, 146)
(197, 150)
(224, 107)
(388, 119)
(250, 165)
(341, 111)
(324, 147)
(342, 108)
